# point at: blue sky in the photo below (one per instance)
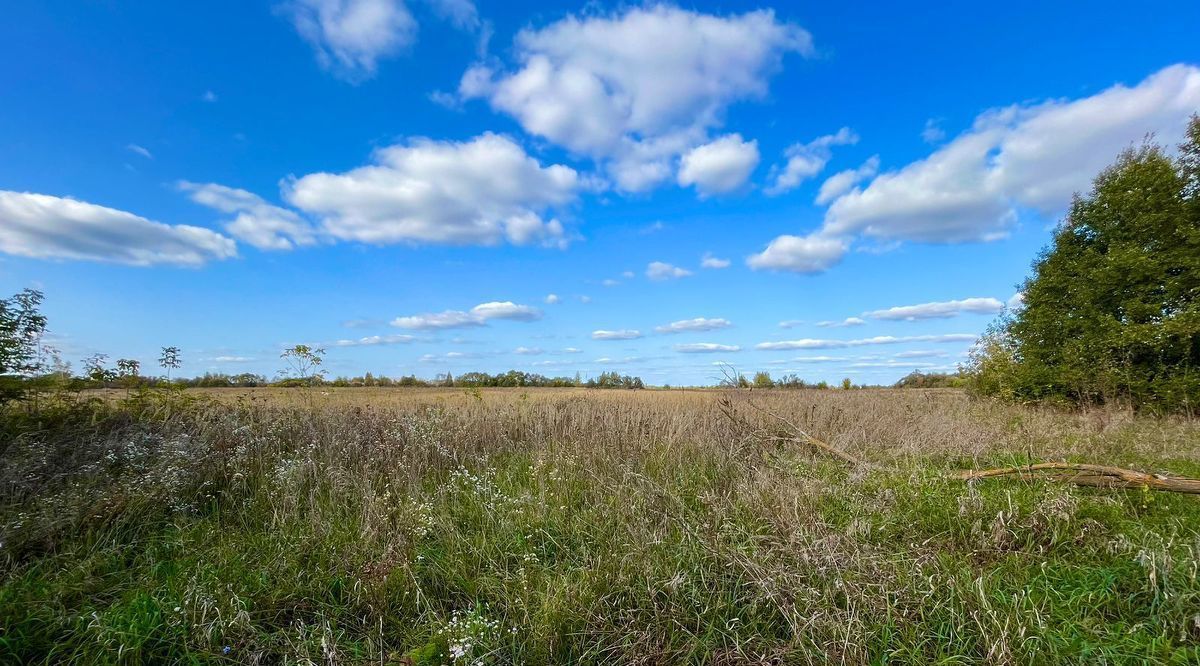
(408, 183)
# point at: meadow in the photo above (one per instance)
(563, 526)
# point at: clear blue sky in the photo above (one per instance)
(415, 179)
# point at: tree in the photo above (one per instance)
(22, 326)
(1112, 309)
(763, 380)
(170, 360)
(303, 362)
(847, 384)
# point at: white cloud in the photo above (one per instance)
(258, 223)
(939, 310)
(478, 192)
(618, 361)
(933, 132)
(719, 167)
(810, 343)
(1015, 301)
(848, 321)
(842, 181)
(351, 36)
(920, 354)
(623, 334)
(697, 324)
(805, 160)
(709, 261)
(477, 316)
(461, 13)
(658, 270)
(800, 254)
(552, 299)
(134, 148)
(791, 323)
(1020, 157)
(706, 348)
(232, 359)
(636, 89)
(49, 227)
(529, 351)
(375, 340)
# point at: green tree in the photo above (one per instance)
(22, 326)
(303, 363)
(763, 380)
(170, 360)
(1112, 309)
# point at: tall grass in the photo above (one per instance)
(548, 526)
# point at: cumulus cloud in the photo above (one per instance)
(50, 227)
(1030, 156)
(811, 343)
(257, 222)
(813, 253)
(529, 351)
(1025, 157)
(805, 160)
(351, 36)
(658, 270)
(623, 334)
(719, 167)
(933, 132)
(844, 323)
(843, 181)
(477, 316)
(477, 192)
(638, 88)
(709, 261)
(706, 348)
(939, 309)
(552, 299)
(697, 324)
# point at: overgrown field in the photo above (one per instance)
(573, 526)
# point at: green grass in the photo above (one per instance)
(285, 535)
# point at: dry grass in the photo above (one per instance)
(574, 526)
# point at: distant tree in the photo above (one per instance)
(170, 359)
(1112, 309)
(763, 380)
(22, 326)
(847, 384)
(303, 363)
(96, 369)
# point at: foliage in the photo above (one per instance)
(303, 364)
(22, 326)
(919, 380)
(1112, 310)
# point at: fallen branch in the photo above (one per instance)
(1080, 474)
(1083, 474)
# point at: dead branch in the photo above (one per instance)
(1080, 474)
(1083, 474)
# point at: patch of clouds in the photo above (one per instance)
(134, 148)
(843, 181)
(638, 88)
(843, 323)
(811, 343)
(622, 334)
(709, 261)
(42, 226)
(375, 340)
(813, 253)
(719, 167)
(479, 315)
(696, 324)
(477, 192)
(552, 299)
(706, 348)
(265, 226)
(658, 270)
(350, 37)
(933, 132)
(806, 160)
(938, 309)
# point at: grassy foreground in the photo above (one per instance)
(568, 526)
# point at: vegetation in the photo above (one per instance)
(431, 526)
(1112, 310)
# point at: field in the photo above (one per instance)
(574, 526)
